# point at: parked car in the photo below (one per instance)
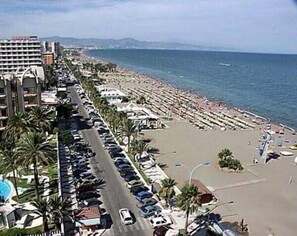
(117, 154)
(119, 159)
(88, 194)
(124, 167)
(126, 173)
(149, 211)
(91, 202)
(86, 175)
(134, 183)
(146, 202)
(131, 177)
(122, 162)
(160, 231)
(84, 187)
(142, 195)
(125, 216)
(160, 221)
(136, 189)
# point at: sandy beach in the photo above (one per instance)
(198, 129)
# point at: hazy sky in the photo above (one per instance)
(245, 25)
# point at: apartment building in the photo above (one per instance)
(20, 91)
(48, 58)
(19, 52)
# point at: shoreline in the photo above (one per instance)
(145, 78)
(184, 143)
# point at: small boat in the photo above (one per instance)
(224, 64)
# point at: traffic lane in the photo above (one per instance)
(115, 195)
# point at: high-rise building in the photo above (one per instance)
(55, 48)
(21, 75)
(45, 46)
(20, 52)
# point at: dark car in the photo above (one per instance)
(142, 195)
(131, 177)
(121, 162)
(146, 202)
(126, 173)
(137, 189)
(91, 202)
(117, 154)
(88, 194)
(113, 149)
(124, 167)
(160, 231)
(109, 142)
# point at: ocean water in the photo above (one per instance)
(265, 84)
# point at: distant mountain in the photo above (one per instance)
(126, 43)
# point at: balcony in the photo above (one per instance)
(29, 105)
(30, 95)
(3, 117)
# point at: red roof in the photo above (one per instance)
(202, 188)
(88, 213)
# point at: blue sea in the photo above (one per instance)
(265, 84)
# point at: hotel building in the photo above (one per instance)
(21, 76)
(19, 52)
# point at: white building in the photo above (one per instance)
(19, 52)
(56, 49)
(112, 95)
(141, 116)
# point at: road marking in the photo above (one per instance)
(254, 181)
(147, 223)
(139, 220)
(125, 229)
(136, 226)
(119, 226)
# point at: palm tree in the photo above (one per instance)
(40, 119)
(189, 201)
(43, 210)
(139, 147)
(128, 129)
(225, 153)
(9, 162)
(167, 191)
(16, 125)
(59, 209)
(33, 149)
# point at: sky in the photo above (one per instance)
(242, 25)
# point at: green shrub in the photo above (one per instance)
(21, 232)
(66, 137)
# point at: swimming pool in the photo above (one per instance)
(5, 189)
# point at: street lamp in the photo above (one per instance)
(191, 172)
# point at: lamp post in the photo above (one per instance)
(191, 172)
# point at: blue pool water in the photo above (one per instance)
(5, 189)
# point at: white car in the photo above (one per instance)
(160, 220)
(125, 216)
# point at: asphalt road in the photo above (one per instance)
(115, 194)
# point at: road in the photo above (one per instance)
(115, 194)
